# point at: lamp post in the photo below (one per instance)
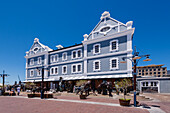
(42, 82)
(3, 78)
(135, 59)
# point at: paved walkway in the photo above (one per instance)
(68, 105)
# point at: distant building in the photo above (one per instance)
(148, 84)
(152, 70)
(168, 73)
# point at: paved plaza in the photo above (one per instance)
(70, 103)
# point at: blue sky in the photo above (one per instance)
(65, 22)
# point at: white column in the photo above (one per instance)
(85, 59)
(118, 27)
(46, 66)
(129, 54)
(26, 68)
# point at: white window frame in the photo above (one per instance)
(51, 58)
(51, 71)
(32, 61)
(54, 70)
(31, 74)
(80, 68)
(63, 56)
(94, 65)
(76, 54)
(117, 64)
(63, 69)
(39, 60)
(80, 53)
(56, 60)
(38, 72)
(94, 48)
(117, 45)
(72, 68)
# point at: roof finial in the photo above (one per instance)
(36, 40)
(105, 14)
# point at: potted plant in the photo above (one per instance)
(124, 84)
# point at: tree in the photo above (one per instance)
(124, 84)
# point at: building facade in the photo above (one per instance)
(152, 70)
(96, 58)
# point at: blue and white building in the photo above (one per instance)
(96, 58)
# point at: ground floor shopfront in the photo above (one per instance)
(95, 83)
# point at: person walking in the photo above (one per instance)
(18, 90)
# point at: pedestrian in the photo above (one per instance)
(18, 90)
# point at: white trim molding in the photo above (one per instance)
(117, 45)
(117, 63)
(94, 52)
(94, 65)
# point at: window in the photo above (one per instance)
(96, 49)
(114, 45)
(31, 72)
(73, 68)
(56, 58)
(39, 60)
(96, 65)
(76, 68)
(39, 72)
(154, 69)
(114, 63)
(73, 54)
(64, 56)
(139, 70)
(155, 84)
(151, 83)
(79, 67)
(64, 69)
(32, 62)
(79, 53)
(143, 83)
(56, 70)
(52, 58)
(52, 71)
(150, 69)
(146, 83)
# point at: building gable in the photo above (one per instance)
(107, 26)
(37, 48)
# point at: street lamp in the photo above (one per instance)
(42, 82)
(135, 59)
(3, 77)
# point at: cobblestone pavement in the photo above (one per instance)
(26, 105)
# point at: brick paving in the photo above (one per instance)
(25, 105)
